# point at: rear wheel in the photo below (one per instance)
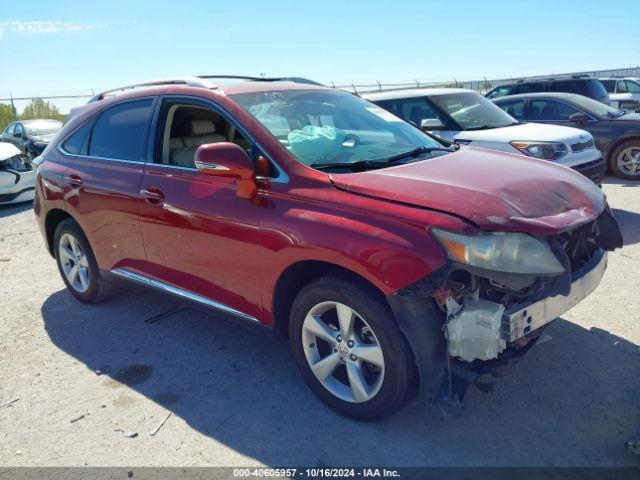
(625, 160)
(78, 267)
(349, 349)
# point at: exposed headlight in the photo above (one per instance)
(501, 252)
(543, 150)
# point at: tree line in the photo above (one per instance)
(38, 108)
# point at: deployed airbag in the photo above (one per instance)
(316, 144)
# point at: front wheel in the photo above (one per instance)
(349, 349)
(625, 160)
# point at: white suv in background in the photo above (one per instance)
(464, 116)
(624, 93)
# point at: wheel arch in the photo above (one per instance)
(617, 142)
(52, 220)
(295, 277)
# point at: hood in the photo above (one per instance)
(539, 132)
(8, 150)
(632, 118)
(45, 138)
(494, 190)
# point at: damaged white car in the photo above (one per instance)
(17, 177)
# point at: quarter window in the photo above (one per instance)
(120, 132)
(550, 110)
(78, 143)
(622, 87)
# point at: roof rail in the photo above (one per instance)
(263, 79)
(190, 81)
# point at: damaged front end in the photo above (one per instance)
(500, 290)
(17, 177)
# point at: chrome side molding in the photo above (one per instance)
(180, 293)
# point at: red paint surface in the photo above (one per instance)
(203, 238)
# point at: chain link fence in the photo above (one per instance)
(65, 102)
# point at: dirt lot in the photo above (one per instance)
(236, 398)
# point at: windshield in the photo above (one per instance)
(48, 127)
(472, 111)
(333, 127)
(594, 107)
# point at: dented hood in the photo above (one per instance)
(494, 190)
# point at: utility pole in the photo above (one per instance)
(13, 108)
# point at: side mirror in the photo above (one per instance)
(17, 134)
(579, 118)
(429, 124)
(228, 160)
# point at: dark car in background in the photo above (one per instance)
(31, 136)
(581, 84)
(616, 132)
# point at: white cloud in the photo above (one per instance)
(43, 27)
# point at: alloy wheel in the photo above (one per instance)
(343, 352)
(629, 160)
(75, 264)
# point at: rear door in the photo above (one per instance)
(101, 185)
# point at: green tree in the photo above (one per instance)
(6, 115)
(39, 108)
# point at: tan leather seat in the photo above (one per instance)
(202, 132)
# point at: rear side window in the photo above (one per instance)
(528, 88)
(570, 86)
(550, 110)
(120, 132)
(597, 91)
(78, 142)
(633, 87)
(515, 108)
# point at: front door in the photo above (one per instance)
(198, 235)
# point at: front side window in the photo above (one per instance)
(550, 110)
(413, 109)
(184, 128)
(10, 128)
(18, 129)
(319, 127)
(472, 111)
(633, 87)
(515, 108)
(500, 91)
(120, 132)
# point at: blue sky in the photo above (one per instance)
(49, 47)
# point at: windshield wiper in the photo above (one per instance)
(417, 152)
(359, 165)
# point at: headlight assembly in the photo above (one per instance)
(542, 150)
(501, 252)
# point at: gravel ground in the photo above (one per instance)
(235, 396)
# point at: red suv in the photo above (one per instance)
(390, 261)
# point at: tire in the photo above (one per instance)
(619, 161)
(71, 249)
(390, 379)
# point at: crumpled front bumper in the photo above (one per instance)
(526, 317)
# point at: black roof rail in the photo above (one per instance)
(263, 79)
(189, 81)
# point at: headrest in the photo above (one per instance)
(202, 127)
(175, 143)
